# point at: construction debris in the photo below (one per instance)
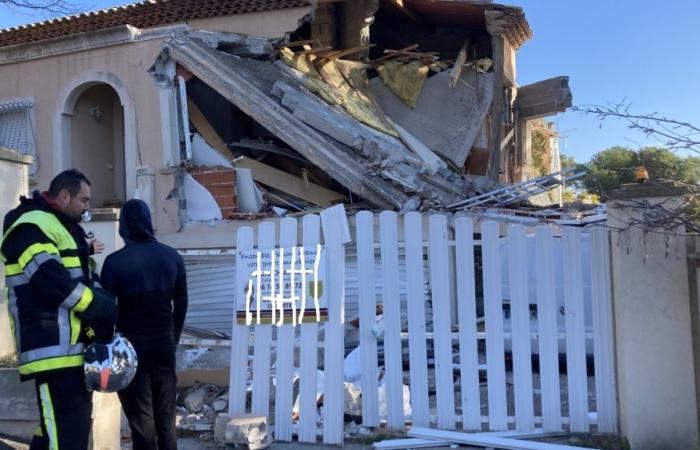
(486, 440)
(244, 429)
(393, 134)
(445, 119)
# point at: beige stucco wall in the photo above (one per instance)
(47, 79)
(655, 358)
(13, 183)
(271, 24)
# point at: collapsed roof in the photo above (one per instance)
(403, 129)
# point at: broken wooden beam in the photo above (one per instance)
(262, 173)
(543, 98)
(389, 55)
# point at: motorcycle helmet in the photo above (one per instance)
(110, 367)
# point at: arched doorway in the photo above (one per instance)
(97, 143)
(95, 132)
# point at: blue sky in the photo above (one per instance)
(645, 51)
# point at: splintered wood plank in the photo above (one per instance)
(575, 331)
(548, 330)
(493, 315)
(308, 378)
(603, 337)
(368, 317)
(415, 298)
(334, 346)
(239, 333)
(520, 324)
(393, 379)
(284, 394)
(263, 340)
(262, 173)
(440, 287)
(466, 310)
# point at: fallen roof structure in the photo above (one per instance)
(352, 140)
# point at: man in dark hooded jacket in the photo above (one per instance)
(148, 279)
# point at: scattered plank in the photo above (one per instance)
(348, 51)
(389, 55)
(485, 440)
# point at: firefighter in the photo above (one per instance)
(51, 299)
(149, 281)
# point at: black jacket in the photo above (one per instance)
(149, 281)
(38, 306)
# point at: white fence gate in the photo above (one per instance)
(481, 364)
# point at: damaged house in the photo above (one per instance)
(221, 112)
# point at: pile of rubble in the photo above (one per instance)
(404, 129)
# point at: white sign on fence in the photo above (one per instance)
(285, 285)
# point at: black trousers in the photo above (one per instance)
(65, 407)
(149, 400)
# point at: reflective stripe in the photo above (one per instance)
(35, 249)
(48, 415)
(32, 266)
(51, 364)
(53, 351)
(14, 316)
(75, 327)
(13, 269)
(64, 328)
(85, 300)
(71, 261)
(75, 272)
(74, 296)
(17, 280)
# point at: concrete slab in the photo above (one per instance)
(447, 120)
(17, 399)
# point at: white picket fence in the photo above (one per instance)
(537, 266)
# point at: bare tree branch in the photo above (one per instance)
(52, 7)
(673, 134)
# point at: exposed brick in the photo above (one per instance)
(220, 182)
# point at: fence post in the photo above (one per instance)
(653, 338)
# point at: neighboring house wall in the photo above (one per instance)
(13, 183)
(65, 76)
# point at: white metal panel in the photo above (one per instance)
(333, 356)
(520, 313)
(308, 379)
(548, 332)
(466, 310)
(418, 355)
(211, 287)
(263, 339)
(239, 334)
(393, 378)
(367, 313)
(284, 372)
(493, 315)
(603, 338)
(575, 332)
(440, 286)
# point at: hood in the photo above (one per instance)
(135, 222)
